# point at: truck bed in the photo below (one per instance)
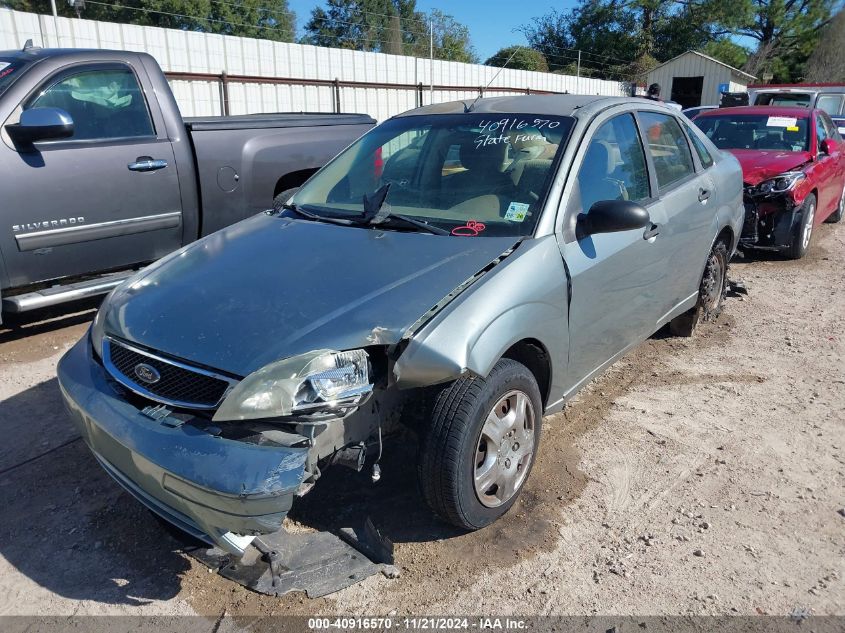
(275, 120)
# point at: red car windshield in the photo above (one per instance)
(756, 131)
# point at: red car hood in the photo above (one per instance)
(759, 165)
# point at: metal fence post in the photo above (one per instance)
(337, 95)
(224, 88)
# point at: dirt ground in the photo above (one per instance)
(698, 476)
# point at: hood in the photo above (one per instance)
(759, 165)
(269, 288)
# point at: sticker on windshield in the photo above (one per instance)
(781, 121)
(516, 211)
(793, 128)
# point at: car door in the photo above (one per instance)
(836, 158)
(686, 196)
(825, 171)
(105, 198)
(618, 280)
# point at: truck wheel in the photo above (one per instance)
(280, 200)
(804, 231)
(711, 293)
(481, 445)
(836, 216)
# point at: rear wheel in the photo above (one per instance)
(836, 216)
(804, 231)
(711, 293)
(481, 445)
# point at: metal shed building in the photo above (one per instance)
(694, 79)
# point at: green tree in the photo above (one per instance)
(521, 58)
(727, 51)
(268, 19)
(388, 26)
(827, 61)
(787, 32)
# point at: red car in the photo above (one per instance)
(793, 166)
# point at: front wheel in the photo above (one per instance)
(481, 445)
(711, 293)
(804, 231)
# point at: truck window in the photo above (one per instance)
(795, 99)
(831, 104)
(668, 148)
(104, 105)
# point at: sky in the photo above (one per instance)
(491, 23)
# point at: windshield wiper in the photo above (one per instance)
(315, 216)
(377, 211)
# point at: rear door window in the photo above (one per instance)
(668, 147)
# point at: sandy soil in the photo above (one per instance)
(698, 476)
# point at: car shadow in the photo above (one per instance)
(65, 524)
(19, 326)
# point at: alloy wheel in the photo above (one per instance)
(808, 226)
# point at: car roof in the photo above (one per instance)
(792, 111)
(553, 105)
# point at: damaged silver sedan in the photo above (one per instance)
(460, 270)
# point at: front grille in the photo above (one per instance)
(178, 384)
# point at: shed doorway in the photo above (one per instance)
(687, 91)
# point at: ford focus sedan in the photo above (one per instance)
(460, 271)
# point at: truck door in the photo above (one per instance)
(107, 197)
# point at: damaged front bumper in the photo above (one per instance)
(770, 221)
(219, 490)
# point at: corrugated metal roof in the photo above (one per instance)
(708, 58)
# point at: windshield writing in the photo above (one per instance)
(471, 175)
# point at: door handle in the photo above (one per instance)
(652, 231)
(703, 194)
(147, 163)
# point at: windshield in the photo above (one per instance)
(465, 174)
(797, 99)
(756, 131)
(10, 69)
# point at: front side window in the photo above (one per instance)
(104, 104)
(788, 99)
(668, 147)
(756, 131)
(614, 166)
(452, 171)
(821, 133)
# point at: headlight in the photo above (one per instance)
(323, 379)
(781, 184)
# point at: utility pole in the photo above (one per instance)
(431, 60)
(578, 72)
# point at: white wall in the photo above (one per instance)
(183, 51)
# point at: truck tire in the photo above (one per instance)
(711, 293)
(280, 200)
(803, 232)
(481, 445)
(836, 216)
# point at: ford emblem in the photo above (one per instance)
(147, 373)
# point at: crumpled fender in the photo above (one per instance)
(524, 297)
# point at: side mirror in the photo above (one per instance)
(40, 124)
(612, 216)
(829, 146)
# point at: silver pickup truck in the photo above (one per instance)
(101, 174)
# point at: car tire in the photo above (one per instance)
(836, 216)
(280, 200)
(803, 234)
(711, 293)
(462, 479)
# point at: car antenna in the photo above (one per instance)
(29, 44)
(481, 92)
